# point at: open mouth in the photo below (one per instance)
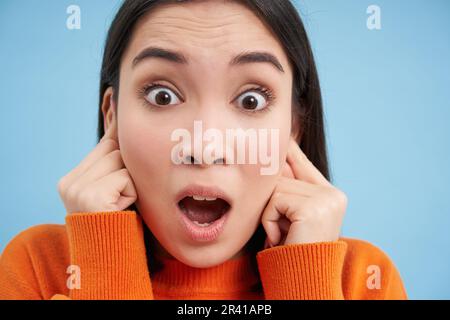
(203, 211)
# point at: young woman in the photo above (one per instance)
(140, 226)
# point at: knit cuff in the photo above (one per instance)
(303, 271)
(108, 256)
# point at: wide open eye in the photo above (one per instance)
(161, 96)
(253, 101)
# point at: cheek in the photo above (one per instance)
(145, 149)
(261, 186)
(275, 142)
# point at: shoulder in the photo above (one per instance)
(364, 250)
(34, 262)
(42, 240)
(369, 272)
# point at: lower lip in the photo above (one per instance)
(203, 234)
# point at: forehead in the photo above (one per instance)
(211, 29)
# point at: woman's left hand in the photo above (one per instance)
(304, 206)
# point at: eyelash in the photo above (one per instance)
(143, 92)
(267, 93)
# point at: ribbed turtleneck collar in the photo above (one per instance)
(177, 279)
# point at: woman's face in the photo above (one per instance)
(203, 86)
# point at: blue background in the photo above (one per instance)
(387, 107)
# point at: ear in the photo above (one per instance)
(287, 171)
(296, 129)
(109, 109)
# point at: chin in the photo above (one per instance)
(206, 257)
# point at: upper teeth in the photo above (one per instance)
(200, 198)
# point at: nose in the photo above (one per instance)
(193, 160)
(198, 157)
(206, 144)
(204, 148)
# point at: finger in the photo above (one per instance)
(101, 150)
(302, 167)
(124, 193)
(110, 132)
(284, 225)
(267, 244)
(109, 163)
(280, 204)
(300, 187)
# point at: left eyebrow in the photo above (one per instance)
(179, 58)
(257, 57)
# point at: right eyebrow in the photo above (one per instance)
(154, 52)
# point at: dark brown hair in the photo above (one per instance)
(281, 17)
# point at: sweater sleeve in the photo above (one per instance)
(18, 280)
(303, 271)
(107, 251)
(370, 274)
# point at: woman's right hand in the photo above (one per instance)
(100, 183)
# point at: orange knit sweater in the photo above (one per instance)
(110, 252)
